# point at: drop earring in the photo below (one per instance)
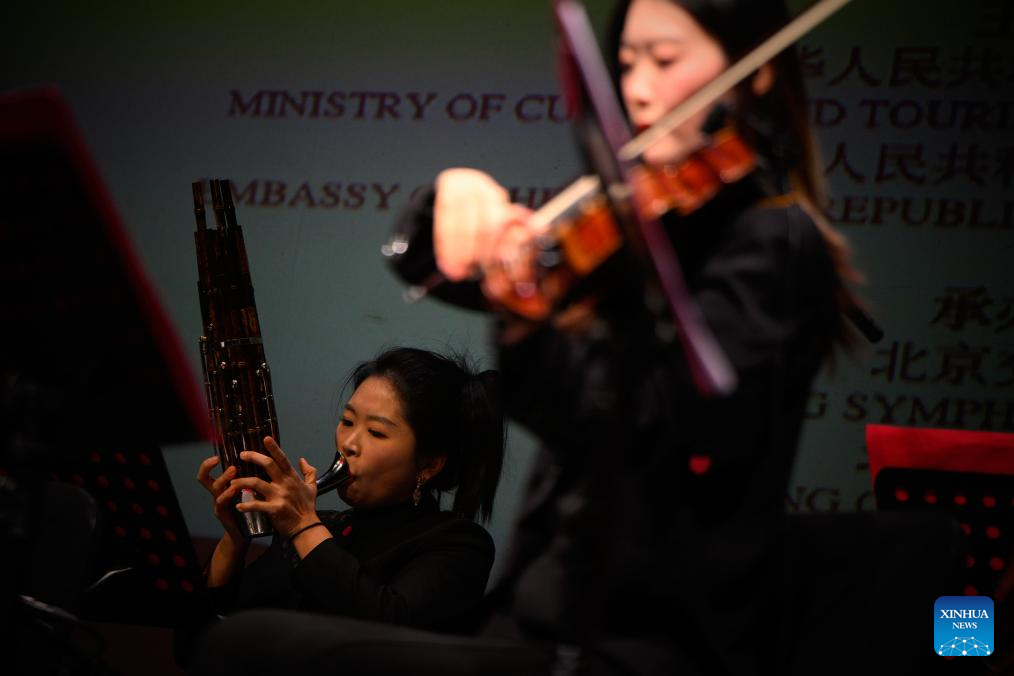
(417, 493)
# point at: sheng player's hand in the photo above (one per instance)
(216, 486)
(289, 500)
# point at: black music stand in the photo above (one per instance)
(92, 380)
(967, 474)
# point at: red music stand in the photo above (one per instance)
(967, 474)
(93, 378)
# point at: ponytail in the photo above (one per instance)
(481, 432)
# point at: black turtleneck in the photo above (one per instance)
(407, 565)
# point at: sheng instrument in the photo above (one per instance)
(237, 379)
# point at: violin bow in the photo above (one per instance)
(709, 366)
(604, 128)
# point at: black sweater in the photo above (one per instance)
(652, 513)
(405, 565)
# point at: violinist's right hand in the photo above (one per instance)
(471, 214)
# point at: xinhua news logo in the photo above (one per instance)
(963, 626)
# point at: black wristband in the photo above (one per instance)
(304, 528)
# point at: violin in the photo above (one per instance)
(593, 218)
(579, 240)
(688, 185)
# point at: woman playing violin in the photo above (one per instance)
(649, 540)
(688, 512)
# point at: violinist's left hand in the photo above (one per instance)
(289, 500)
